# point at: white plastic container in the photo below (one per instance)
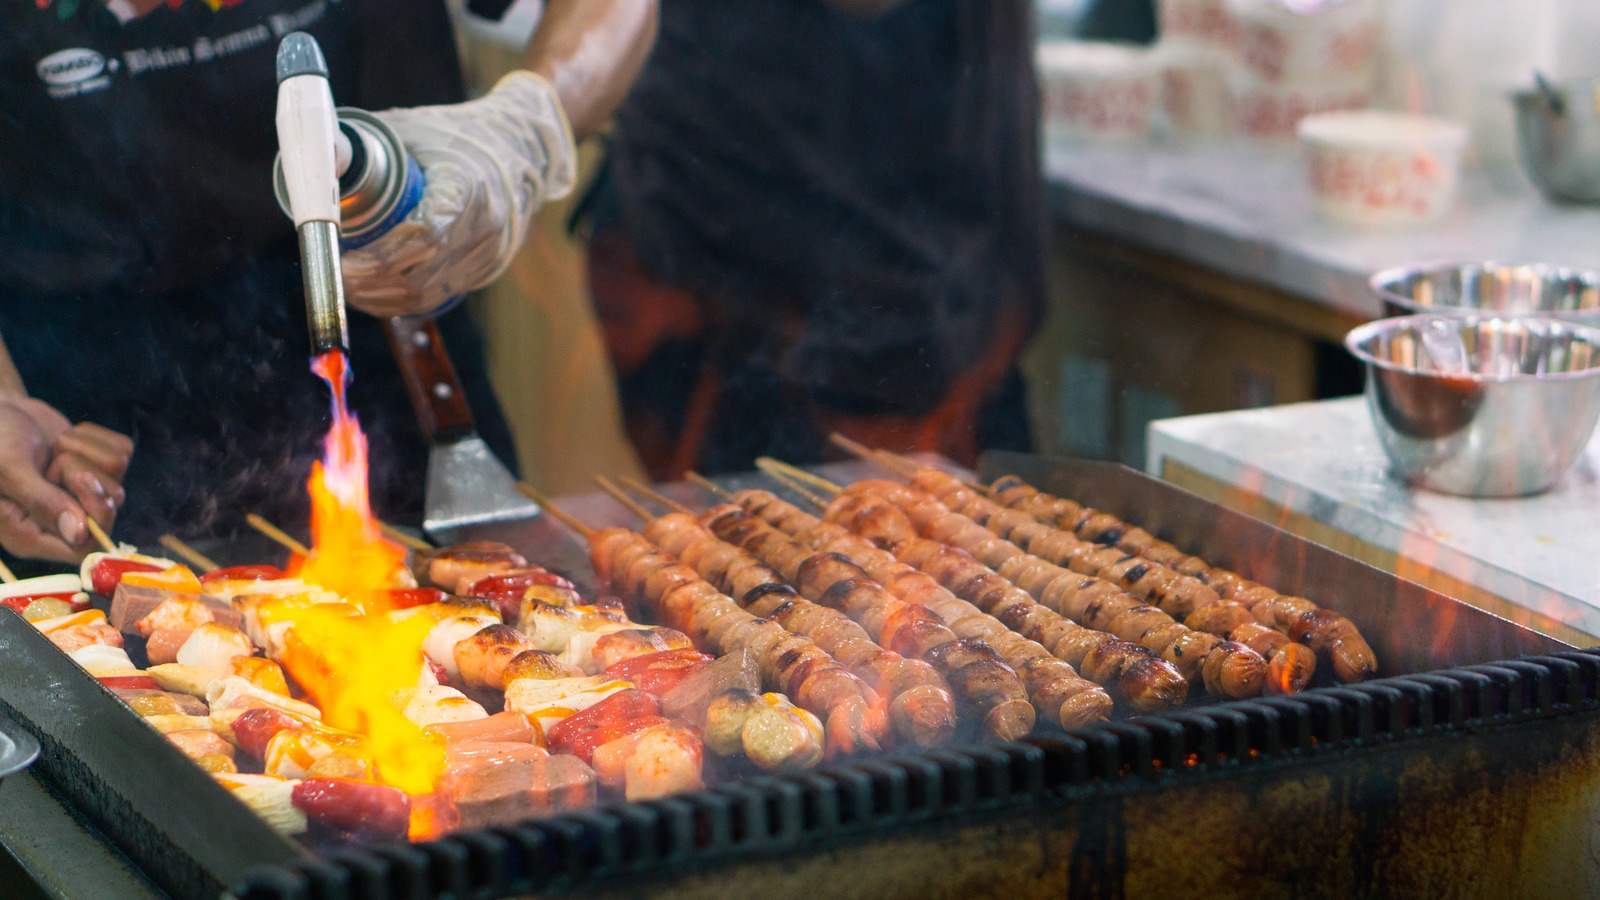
(1280, 46)
(1194, 88)
(1097, 91)
(1373, 168)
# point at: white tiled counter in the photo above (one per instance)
(1318, 470)
(1246, 210)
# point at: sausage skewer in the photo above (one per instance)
(1053, 683)
(1146, 681)
(680, 598)
(1053, 686)
(981, 678)
(1328, 633)
(1290, 666)
(921, 708)
(912, 625)
(1226, 668)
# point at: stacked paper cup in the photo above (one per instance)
(1096, 91)
(1194, 53)
(1294, 59)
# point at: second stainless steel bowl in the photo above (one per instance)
(1508, 418)
(1491, 288)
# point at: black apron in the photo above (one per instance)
(148, 280)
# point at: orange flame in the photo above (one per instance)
(349, 553)
(353, 660)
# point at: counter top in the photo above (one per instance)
(1318, 468)
(1246, 210)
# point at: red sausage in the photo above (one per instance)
(659, 673)
(237, 573)
(506, 589)
(255, 727)
(354, 807)
(108, 572)
(618, 715)
(130, 682)
(21, 603)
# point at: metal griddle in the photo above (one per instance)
(1328, 792)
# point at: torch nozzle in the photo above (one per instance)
(324, 284)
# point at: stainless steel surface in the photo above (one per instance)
(124, 778)
(1510, 423)
(18, 749)
(468, 485)
(1558, 133)
(58, 853)
(1411, 628)
(1491, 288)
(324, 286)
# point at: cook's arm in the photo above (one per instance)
(491, 163)
(591, 51)
(53, 473)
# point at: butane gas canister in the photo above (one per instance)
(380, 187)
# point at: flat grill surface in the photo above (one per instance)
(194, 838)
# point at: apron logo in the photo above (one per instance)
(77, 70)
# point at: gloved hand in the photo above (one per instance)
(489, 165)
(52, 475)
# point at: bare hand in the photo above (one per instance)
(51, 472)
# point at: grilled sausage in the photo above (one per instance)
(1330, 635)
(1087, 600)
(789, 663)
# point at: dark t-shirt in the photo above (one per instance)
(148, 280)
(865, 190)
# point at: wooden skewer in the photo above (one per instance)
(770, 466)
(616, 494)
(698, 479)
(639, 487)
(783, 478)
(908, 467)
(854, 448)
(100, 536)
(561, 515)
(895, 462)
(400, 537)
(190, 555)
(6, 574)
(277, 534)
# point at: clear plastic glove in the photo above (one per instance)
(489, 165)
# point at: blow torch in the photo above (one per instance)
(308, 135)
(343, 176)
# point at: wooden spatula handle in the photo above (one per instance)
(431, 379)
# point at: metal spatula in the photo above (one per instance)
(467, 484)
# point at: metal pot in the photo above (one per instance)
(1558, 132)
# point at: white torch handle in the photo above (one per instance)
(308, 131)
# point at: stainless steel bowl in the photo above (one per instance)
(1510, 418)
(1558, 133)
(1491, 288)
